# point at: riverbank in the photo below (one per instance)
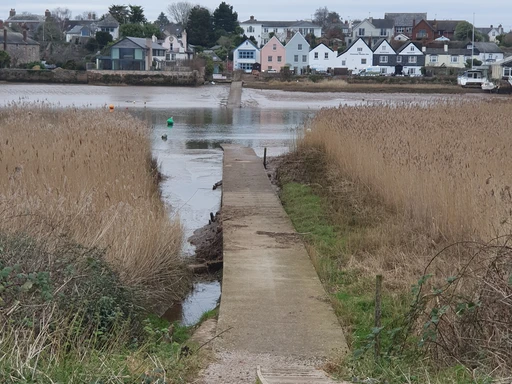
(342, 188)
(97, 77)
(376, 85)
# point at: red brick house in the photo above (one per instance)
(429, 30)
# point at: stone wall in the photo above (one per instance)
(191, 78)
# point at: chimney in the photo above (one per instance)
(94, 15)
(12, 12)
(423, 49)
(89, 16)
(47, 13)
(371, 20)
(25, 35)
(252, 18)
(413, 22)
(149, 53)
(491, 25)
(446, 47)
(1, 24)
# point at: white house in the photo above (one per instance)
(371, 30)
(176, 47)
(492, 32)
(283, 30)
(78, 32)
(321, 58)
(487, 53)
(245, 55)
(356, 57)
(110, 25)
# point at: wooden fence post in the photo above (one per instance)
(378, 314)
(265, 158)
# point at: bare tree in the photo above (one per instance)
(179, 12)
(61, 14)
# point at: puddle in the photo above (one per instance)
(204, 297)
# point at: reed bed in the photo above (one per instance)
(89, 176)
(426, 191)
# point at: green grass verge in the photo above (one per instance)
(352, 296)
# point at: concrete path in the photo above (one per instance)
(235, 95)
(272, 299)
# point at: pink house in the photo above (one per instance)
(273, 56)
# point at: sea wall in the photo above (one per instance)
(190, 78)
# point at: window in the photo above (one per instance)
(359, 49)
(408, 29)
(411, 48)
(493, 33)
(316, 55)
(507, 71)
(413, 60)
(383, 47)
(296, 58)
(274, 47)
(312, 31)
(399, 59)
(275, 30)
(304, 58)
(422, 33)
(383, 59)
(265, 30)
(363, 61)
(326, 55)
(399, 29)
(361, 32)
(411, 71)
(433, 58)
(269, 59)
(250, 29)
(454, 59)
(279, 58)
(245, 54)
(299, 47)
(383, 71)
(245, 66)
(343, 63)
(383, 32)
(269, 67)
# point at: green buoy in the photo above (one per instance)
(170, 122)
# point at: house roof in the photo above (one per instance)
(405, 19)
(173, 29)
(319, 45)
(416, 44)
(141, 42)
(299, 36)
(379, 42)
(76, 29)
(273, 40)
(26, 18)
(382, 23)
(285, 24)
(16, 38)
(488, 47)
(108, 22)
(444, 25)
(247, 41)
(353, 43)
(484, 30)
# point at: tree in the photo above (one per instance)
(120, 13)
(48, 30)
(162, 21)
(139, 30)
(320, 17)
(199, 26)
(136, 14)
(224, 18)
(5, 59)
(179, 12)
(476, 63)
(505, 39)
(103, 38)
(464, 32)
(61, 14)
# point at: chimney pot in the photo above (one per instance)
(491, 25)
(47, 13)
(252, 18)
(12, 12)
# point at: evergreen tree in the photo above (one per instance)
(224, 18)
(136, 14)
(162, 21)
(119, 12)
(199, 27)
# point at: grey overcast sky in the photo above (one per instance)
(490, 12)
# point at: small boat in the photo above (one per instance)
(488, 86)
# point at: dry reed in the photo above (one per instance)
(88, 175)
(429, 176)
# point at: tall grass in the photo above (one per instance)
(421, 194)
(89, 176)
(444, 164)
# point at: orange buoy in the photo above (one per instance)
(111, 107)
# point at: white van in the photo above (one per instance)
(371, 71)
